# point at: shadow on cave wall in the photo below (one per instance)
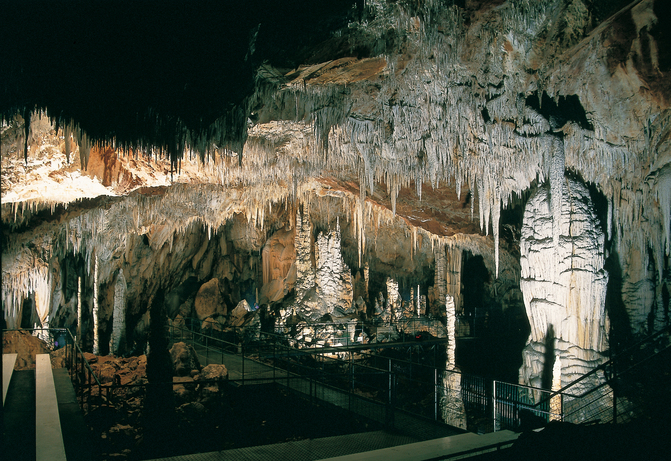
(548, 358)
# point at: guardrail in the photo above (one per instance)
(83, 377)
(596, 397)
(391, 383)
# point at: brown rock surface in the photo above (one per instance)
(214, 371)
(208, 300)
(25, 345)
(184, 359)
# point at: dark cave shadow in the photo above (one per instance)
(620, 328)
(549, 358)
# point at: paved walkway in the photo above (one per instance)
(19, 428)
(49, 444)
(304, 450)
(76, 434)
(8, 361)
(18, 437)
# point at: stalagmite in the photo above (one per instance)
(556, 401)
(454, 412)
(118, 314)
(393, 309)
(79, 311)
(419, 310)
(451, 331)
(96, 347)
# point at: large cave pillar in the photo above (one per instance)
(563, 282)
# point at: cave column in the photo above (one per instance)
(452, 404)
(563, 282)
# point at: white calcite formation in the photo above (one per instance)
(393, 309)
(323, 282)
(305, 271)
(333, 277)
(452, 403)
(449, 98)
(118, 314)
(564, 285)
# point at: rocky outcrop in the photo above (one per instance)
(237, 316)
(333, 278)
(279, 270)
(324, 282)
(563, 282)
(208, 300)
(184, 359)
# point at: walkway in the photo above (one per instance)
(8, 361)
(256, 373)
(24, 396)
(303, 450)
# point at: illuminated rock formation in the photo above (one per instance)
(416, 128)
(564, 284)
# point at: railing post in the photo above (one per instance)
(242, 351)
(435, 394)
(494, 404)
(389, 398)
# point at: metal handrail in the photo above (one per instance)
(610, 363)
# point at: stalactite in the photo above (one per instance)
(419, 312)
(556, 188)
(453, 274)
(440, 274)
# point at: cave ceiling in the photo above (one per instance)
(440, 113)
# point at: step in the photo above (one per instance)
(48, 436)
(8, 361)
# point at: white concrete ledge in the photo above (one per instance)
(48, 435)
(8, 361)
(435, 449)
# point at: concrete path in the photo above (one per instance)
(48, 435)
(303, 450)
(468, 444)
(19, 418)
(8, 361)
